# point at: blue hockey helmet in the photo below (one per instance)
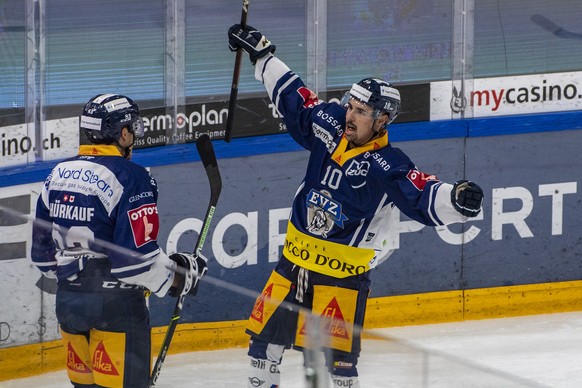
(379, 94)
(105, 115)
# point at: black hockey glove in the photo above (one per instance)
(250, 40)
(467, 198)
(194, 269)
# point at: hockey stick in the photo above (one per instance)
(208, 158)
(555, 29)
(235, 77)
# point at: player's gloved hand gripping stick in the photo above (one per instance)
(193, 265)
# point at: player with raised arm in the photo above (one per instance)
(96, 231)
(341, 213)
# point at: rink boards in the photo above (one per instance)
(521, 257)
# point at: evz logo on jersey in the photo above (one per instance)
(145, 224)
(419, 179)
(323, 212)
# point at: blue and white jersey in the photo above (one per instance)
(98, 205)
(343, 209)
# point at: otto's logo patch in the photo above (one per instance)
(419, 179)
(145, 224)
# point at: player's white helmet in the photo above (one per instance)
(105, 115)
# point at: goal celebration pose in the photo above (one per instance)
(341, 213)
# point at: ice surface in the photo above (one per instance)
(532, 351)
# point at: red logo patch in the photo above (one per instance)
(145, 224)
(419, 179)
(310, 98)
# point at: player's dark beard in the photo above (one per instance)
(373, 136)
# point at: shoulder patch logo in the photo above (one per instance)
(419, 179)
(145, 224)
(309, 98)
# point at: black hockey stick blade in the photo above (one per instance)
(235, 78)
(555, 29)
(208, 158)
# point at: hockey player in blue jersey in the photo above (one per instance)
(341, 213)
(95, 231)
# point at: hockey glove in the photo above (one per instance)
(467, 198)
(194, 268)
(250, 40)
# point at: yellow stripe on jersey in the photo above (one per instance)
(342, 154)
(99, 150)
(326, 257)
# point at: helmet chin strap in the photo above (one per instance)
(374, 133)
(126, 150)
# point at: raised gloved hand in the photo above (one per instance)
(186, 281)
(250, 40)
(467, 198)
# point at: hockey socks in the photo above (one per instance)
(345, 382)
(263, 373)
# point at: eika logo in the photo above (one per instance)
(258, 310)
(336, 324)
(102, 362)
(74, 362)
(328, 205)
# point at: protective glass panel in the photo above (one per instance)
(209, 63)
(106, 46)
(12, 53)
(527, 37)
